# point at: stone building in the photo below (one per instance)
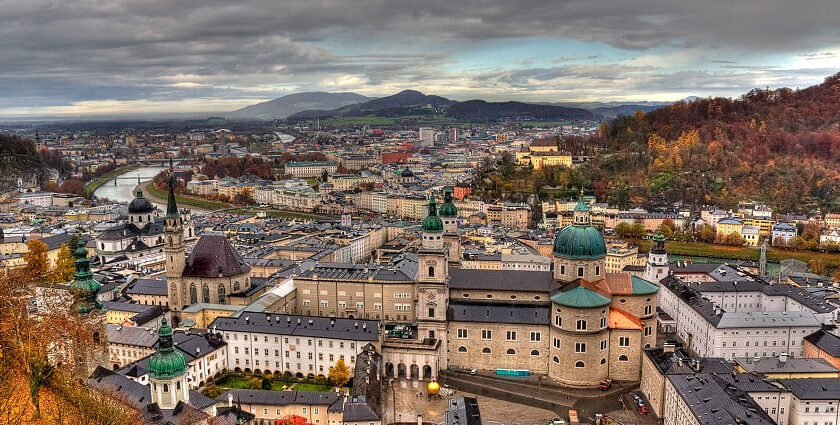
(577, 324)
(213, 273)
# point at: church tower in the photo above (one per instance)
(657, 261)
(175, 251)
(449, 214)
(432, 284)
(91, 350)
(168, 372)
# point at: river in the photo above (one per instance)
(123, 191)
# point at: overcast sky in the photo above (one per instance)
(117, 56)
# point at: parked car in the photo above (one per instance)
(605, 384)
(643, 409)
(556, 421)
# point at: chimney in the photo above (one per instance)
(783, 358)
(230, 399)
(679, 361)
(419, 419)
(697, 365)
(668, 347)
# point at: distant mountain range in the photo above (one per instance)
(282, 107)
(321, 105)
(386, 106)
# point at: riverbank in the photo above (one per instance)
(197, 205)
(99, 181)
(702, 249)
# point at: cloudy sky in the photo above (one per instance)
(71, 57)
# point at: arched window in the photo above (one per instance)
(235, 287)
(647, 310)
(558, 320)
(140, 218)
(96, 337)
(623, 358)
(603, 361)
(462, 349)
(485, 350)
(556, 359)
(165, 388)
(205, 293)
(597, 270)
(178, 385)
(510, 351)
(193, 294)
(535, 352)
(221, 294)
(431, 271)
(579, 364)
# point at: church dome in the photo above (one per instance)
(140, 205)
(576, 241)
(432, 223)
(167, 362)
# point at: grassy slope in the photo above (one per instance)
(701, 249)
(210, 205)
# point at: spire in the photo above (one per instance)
(432, 206)
(84, 287)
(171, 206)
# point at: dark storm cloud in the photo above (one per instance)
(60, 52)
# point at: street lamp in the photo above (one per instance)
(394, 399)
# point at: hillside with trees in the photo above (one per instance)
(780, 147)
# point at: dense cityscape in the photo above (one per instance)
(287, 214)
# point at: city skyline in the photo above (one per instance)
(88, 58)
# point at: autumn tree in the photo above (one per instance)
(65, 265)
(817, 266)
(340, 373)
(37, 262)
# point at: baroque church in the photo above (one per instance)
(213, 273)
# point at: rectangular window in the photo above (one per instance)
(536, 336)
(623, 341)
(462, 333)
(510, 336)
(580, 347)
(486, 334)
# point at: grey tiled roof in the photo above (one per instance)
(813, 388)
(502, 280)
(147, 287)
(131, 335)
(283, 324)
(825, 341)
(715, 402)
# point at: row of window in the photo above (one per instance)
(487, 334)
(486, 350)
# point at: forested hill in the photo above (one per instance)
(780, 146)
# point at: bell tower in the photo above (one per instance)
(175, 251)
(657, 262)
(91, 349)
(168, 371)
(433, 284)
(449, 214)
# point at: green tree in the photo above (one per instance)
(340, 373)
(666, 231)
(638, 231)
(65, 265)
(622, 229)
(734, 239)
(266, 384)
(37, 262)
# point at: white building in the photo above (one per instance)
(427, 137)
(813, 400)
(300, 345)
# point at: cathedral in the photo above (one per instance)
(212, 273)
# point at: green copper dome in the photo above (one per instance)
(84, 287)
(167, 362)
(448, 209)
(577, 241)
(580, 297)
(432, 223)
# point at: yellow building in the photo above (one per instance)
(832, 221)
(202, 314)
(764, 224)
(620, 255)
(728, 226)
